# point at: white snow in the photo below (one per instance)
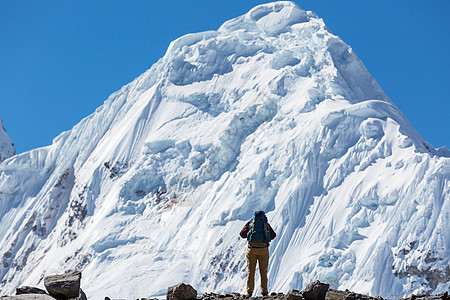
(272, 112)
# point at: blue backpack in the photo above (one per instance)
(259, 234)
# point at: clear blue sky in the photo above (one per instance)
(60, 60)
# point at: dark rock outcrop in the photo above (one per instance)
(330, 295)
(82, 296)
(65, 286)
(315, 291)
(441, 296)
(354, 296)
(294, 295)
(29, 290)
(181, 291)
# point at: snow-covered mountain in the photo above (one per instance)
(6, 146)
(271, 111)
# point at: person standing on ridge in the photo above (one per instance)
(258, 233)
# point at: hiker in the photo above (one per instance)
(258, 233)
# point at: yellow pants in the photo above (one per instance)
(260, 255)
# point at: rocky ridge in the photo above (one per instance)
(314, 291)
(68, 287)
(59, 287)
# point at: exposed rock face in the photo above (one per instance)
(315, 291)
(181, 292)
(64, 286)
(6, 145)
(433, 276)
(29, 290)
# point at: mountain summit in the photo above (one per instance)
(272, 112)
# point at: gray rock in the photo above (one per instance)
(29, 290)
(181, 291)
(355, 296)
(294, 295)
(315, 291)
(65, 286)
(28, 297)
(351, 296)
(82, 296)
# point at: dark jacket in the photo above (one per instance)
(246, 228)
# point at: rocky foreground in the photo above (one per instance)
(314, 291)
(68, 287)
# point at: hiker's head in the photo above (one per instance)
(259, 213)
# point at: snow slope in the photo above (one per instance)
(272, 112)
(6, 146)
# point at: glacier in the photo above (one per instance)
(271, 111)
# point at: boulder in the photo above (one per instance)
(355, 296)
(315, 291)
(29, 290)
(294, 295)
(181, 291)
(65, 286)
